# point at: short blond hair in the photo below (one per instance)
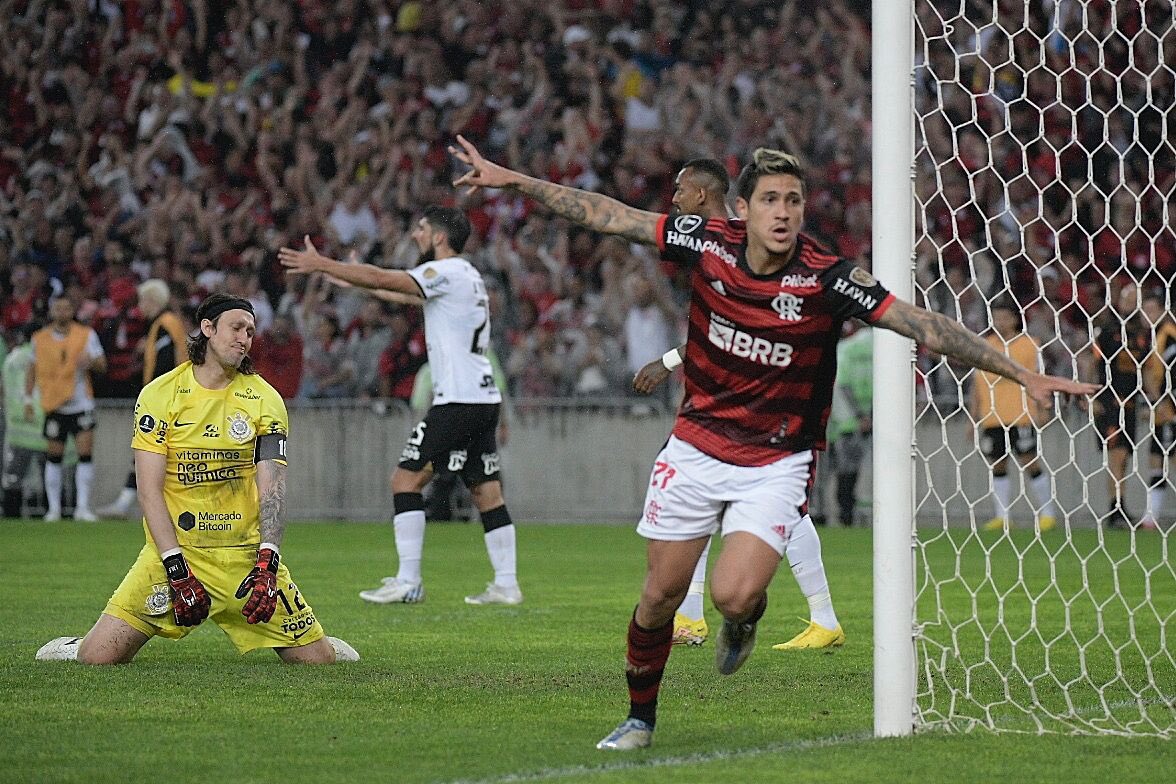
(766, 161)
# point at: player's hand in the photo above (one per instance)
(1041, 388)
(302, 262)
(190, 601)
(483, 173)
(261, 587)
(649, 377)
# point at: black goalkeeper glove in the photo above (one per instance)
(261, 586)
(189, 599)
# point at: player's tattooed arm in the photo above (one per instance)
(596, 211)
(593, 210)
(271, 487)
(944, 336)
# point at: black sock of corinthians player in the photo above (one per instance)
(648, 651)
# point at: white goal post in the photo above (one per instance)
(1023, 156)
(893, 233)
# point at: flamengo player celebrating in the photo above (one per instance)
(701, 189)
(765, 315)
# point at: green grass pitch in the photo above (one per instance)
(447, 692)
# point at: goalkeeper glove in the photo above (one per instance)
(261, 586)
(190, 601)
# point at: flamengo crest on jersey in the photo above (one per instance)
(762, 349)
(457, 331)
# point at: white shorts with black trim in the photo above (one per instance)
(692, 494)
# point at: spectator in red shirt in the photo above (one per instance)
(277, 355)
(29, 297)
(402, 359)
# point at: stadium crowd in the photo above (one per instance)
(187, 140)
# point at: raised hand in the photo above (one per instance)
(483, 173)
(302, 262)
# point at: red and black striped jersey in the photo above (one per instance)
(761, 350)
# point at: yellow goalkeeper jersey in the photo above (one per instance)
(1000, 402)
(209, 437)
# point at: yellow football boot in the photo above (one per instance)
(813, 637)
(996, 524)
(688, 631)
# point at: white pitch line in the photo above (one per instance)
(632, 763)
(545, 774)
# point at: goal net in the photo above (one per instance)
(1044, 187)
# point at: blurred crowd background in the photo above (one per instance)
(187, 140)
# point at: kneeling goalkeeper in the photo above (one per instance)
(210, 460)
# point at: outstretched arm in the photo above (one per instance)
(944, 336)
(395, 297)
(303, 262)
(597, 212)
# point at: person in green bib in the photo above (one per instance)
(850, 423)
(24, 442)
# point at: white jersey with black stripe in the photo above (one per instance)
(457, 331)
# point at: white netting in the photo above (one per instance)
(1045, 178)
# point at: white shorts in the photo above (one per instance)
(692, 495)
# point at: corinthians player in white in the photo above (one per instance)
(460, 426)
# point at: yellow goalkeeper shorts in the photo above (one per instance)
(143, 600)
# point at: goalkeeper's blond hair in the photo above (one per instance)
(765, 161)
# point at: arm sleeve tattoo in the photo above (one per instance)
(271, 486)
(944, 336)
(596, 211)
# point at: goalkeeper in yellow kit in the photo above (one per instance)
(210, 459)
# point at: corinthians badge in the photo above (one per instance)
(240, 428)
(159, 600)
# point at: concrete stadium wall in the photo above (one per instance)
(567, 463)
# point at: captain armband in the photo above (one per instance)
(270, 446)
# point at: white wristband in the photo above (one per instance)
(268, 546)
(170, 553)
(671, 359)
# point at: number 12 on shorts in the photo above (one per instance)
(663, 472)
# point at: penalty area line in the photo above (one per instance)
(632, 763)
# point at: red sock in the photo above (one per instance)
(646, 663)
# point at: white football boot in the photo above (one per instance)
(629, 734)
(395, 591)
(497, 594)
(60, 649)
(343, 650)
